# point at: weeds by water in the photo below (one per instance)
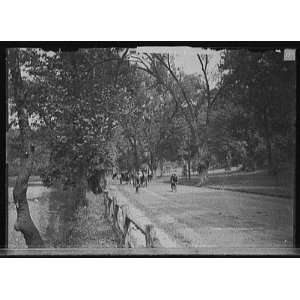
(90, 228)
(60, 224)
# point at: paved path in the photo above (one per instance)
(201, 217)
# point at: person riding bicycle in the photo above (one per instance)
(173, 181)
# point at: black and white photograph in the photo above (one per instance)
(151, 150)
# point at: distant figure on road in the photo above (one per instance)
(143, 180)
(131, 178)
(173, 182)
(137, 182)
(150, 176)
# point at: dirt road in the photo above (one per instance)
(202, 217)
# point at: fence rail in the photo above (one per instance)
(132, 231)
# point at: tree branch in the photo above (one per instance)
(204, 71)
(119, 64)
(155, 74)
(168, 67)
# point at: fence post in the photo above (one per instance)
(112, 211)
(115, 216)
(109, 208)
(125, 225)
(112, 208)
(105, 203)
(124, 210)
(149, 229)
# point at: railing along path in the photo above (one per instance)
(133, 231)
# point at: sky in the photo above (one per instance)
(186, 57)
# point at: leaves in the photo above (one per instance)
(94, 108)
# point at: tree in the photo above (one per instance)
(146, 121)
(159, 122)
(19, 94)
(69, 101)
(76, 97)
(193, 96)
(263, 85)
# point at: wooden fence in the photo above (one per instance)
(132, 231)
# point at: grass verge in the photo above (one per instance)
(60, 225)
(259, 182)
(91, 229)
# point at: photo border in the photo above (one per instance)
(190, 252)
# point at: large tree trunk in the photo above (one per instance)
(161, 167)
(202, 142)
(203, 170)
(271, 165)
(153, 163)
(80, 192)
(136, 156)
(268, 139)
(249, 163)
(203, 162)
(24, 222)
(228, 161)
(189, 167)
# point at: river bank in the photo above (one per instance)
(60, 225)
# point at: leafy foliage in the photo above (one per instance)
(99, 108)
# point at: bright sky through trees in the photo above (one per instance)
(186, 57)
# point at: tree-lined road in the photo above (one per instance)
(76, 116)
(202, 217)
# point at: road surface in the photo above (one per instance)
(202, 217)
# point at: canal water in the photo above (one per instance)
(52, 212)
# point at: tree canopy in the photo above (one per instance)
(104, 108)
